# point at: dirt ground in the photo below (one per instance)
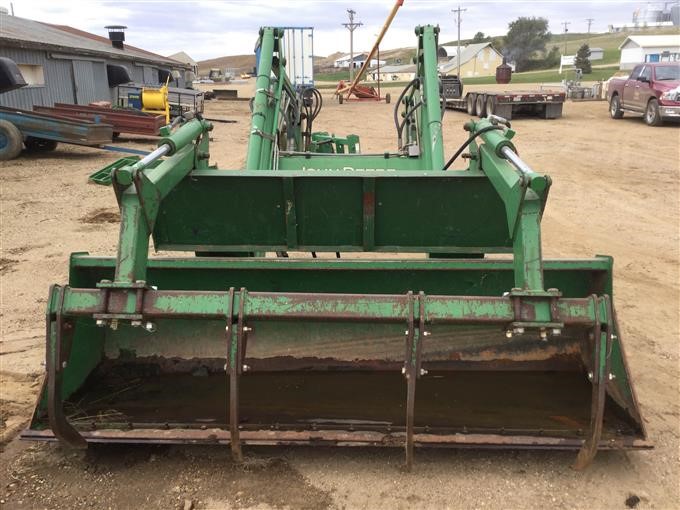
(616, 191)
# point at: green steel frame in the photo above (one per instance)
(288, 198)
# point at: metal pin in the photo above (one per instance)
(246, 329)
(426, 333)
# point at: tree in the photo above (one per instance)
(525, 37)
(582, 60)
(479, 37)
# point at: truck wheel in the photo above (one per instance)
(11, 141)
(39, 144)
(615, 110)
(388, 98)
(481, 106)
(491, 105)
(340, 98)
(652, 115)
(471, 104)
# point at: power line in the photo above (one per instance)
(351, 26)
(457, 13)
(565, 26)
(590, 22)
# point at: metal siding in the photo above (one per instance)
(101, 82)
(298, 50)
(83, 77)
(150, 76)
(58, 80)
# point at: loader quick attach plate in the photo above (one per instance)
(322, 367)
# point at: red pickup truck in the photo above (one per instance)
(652, 89)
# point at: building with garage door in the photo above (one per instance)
(638, 49)
(62, 64)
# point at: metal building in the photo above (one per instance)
(62, 64)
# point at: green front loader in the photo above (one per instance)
(301, 314)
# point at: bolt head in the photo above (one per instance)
(246, 368)
(246, 329)
(556, 331)
(101, 323)
(423, 371)
(150, 327)
(544, 334)
(64, 364)
(403, 370)
(518, 331)
(612, 377)
(590, 376)
(426, 333)
(508, 334)
(135, 324)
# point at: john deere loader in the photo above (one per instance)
(270, 330)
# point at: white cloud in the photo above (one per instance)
(212, 28)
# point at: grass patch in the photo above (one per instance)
(549, 76)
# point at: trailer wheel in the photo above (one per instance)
(340, 98)
(10, 141)
(39, 144)
(471, 104)
(481, 105)
(491, 105)
(388, 98)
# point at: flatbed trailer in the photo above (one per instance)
(546, 104)
(41, 131)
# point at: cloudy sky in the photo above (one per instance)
(212, 28)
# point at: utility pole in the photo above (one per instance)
(565, 24)
(457, 12)
(590, 22)
(351, 26)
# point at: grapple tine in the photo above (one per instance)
(59, 333)
(600, 370)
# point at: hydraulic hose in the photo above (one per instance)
(396, 107)
(468, 142)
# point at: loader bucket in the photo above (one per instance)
(311, 377)
(275, 334)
